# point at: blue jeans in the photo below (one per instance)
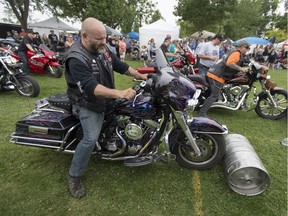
(203, 69)
(91, 123)
(22, 55)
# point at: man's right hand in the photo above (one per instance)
(244, 69)
(127, 93)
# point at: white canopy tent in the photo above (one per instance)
(52, 23)
(157, 30)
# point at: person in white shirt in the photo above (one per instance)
(209, 53)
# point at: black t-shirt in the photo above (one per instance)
(53, 38)
(164, 47)
(84, 75)
(25, 40)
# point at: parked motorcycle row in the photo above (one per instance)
(12, 78)
(270, 103)
(44, 61)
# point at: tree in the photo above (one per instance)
(203, 14)
(155, 16)
(20, 8)
(242, 20)
(120, 13)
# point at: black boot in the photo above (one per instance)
(76, 187)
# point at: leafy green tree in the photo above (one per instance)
(117, 14)
(204, 14)
(20, 8)
(156, 16)
(242, 20)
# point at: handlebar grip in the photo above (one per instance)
(119, 101)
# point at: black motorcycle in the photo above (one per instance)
(12, 78)
(270, 103)
(156, 125)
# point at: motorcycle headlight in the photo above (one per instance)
(52, 56)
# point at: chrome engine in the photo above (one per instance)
(233, 93)
(128, 135)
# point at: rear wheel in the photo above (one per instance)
(28, 86)
(212, 149)
(54, 71)
(265, 108)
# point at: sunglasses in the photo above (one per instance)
(247, 47)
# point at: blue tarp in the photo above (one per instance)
(253, 40)
(133, 35)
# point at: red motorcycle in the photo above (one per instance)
(44, 61)
(185, 64)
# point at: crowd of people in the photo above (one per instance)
(121, 46)
(51, 40)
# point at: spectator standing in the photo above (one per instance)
(53, 40)
(37, 39)
(122, 48)
(192, 44)
(151, 48)
(45, 39)
(69, 42)
(128, 42)
(25, 45)
(111, 44)
(117, 39)
(272, 58)
(209, 53)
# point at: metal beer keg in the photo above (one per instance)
(244, 170)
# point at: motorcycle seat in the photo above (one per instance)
(60, 100)
(199, 79)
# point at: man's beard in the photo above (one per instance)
(94, 49)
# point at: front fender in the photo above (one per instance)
(54, 64)
(207, 125)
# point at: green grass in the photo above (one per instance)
(34, 181)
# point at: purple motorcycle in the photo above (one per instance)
(134, 130)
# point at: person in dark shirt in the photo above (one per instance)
(25, 45)
(90, 86)
(165, 47)
(37, 39)
(53, 40)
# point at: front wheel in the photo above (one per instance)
(54, 71)
(27, 86)
(212, 147)
(265, 108)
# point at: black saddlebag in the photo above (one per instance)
(50, 129)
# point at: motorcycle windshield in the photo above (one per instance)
(44, 47)
(161, 59)
(171, 85)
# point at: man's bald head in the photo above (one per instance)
(91, 24)
(93, 34)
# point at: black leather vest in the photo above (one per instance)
(97, 64)
(220, 69)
